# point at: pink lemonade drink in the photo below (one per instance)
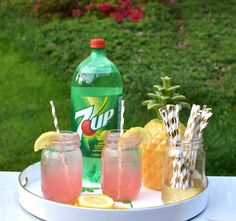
(61, 169)
(121, 167)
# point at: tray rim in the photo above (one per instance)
(109, 210)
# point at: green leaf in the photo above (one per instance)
(175, 87)
(178, 98)
(154, 96)
(154, 106)
(158, 87)
(147, 102)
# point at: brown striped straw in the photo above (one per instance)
(188, 135)
(185, 159)
(192, 131)
(170, 118)
(205, 116)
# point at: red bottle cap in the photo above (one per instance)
(97, 43)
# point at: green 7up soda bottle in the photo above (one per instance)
(96, 94)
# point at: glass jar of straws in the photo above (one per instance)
(61, 169)
(121, 166)
(183, 170)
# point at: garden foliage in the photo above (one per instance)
(191, 41)
(119, 10)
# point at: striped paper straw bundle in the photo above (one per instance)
(197, 122)
(185, 153)
(191, 133)
(170, 116)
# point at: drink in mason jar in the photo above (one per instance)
(121, 167)
(61, 169)
(96, 94)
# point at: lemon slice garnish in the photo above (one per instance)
(100, 201)
(46, 139)
(137, 133)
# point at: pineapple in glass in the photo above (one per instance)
(153, 152)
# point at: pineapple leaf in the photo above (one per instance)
(158, 87)
(152, 95)
(178, 98)
(166, 81)
(174, 87)
(147, 102)
(165, 94)
(167, 99)
(158, 93)
(168, 92)
(154, 106)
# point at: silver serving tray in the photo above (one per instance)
(147, 206)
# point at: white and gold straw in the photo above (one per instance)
(54, 117)
(122, 111)
(184, 158)
(170, 116)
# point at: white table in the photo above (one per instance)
(221, 206)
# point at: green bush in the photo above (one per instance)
(201, 60)
(192, 41)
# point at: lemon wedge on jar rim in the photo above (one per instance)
(46, 139)
(99, 201)
(137, 135)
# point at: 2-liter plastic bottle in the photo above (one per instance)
(96, 95)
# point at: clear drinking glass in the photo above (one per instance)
(121, 167)
(61, 169)
(183, 170)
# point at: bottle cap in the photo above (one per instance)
(97, 43)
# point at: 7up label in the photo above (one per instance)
(92, 117)
(90, 124)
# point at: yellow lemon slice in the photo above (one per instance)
(46, 139)
(100, 201)
(138, 133)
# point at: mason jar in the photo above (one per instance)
(183, 170)
(61, 169)
(121, 167)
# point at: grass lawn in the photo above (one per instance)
(26, 89)
(25, 112)
(194, 42)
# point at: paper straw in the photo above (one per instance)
(54, 117)
(164, 117)
(191, 133)
(190, 125)
(184, 160)
(204, 121)
(62, 155)
(174, 152)
(122, 111)
(175, 181)
(180, 178)
(182, 181)
(173, 121)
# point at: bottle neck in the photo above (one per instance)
(97, 52)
